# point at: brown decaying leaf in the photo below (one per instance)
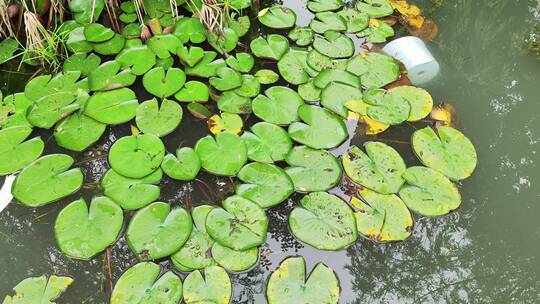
(427, 32)
(445, 114)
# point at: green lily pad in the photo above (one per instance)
(8, 47)
(277, 17)
(46, 180)
(39, 290)
(429, 192)
(136, 156)
(288, 284)
(163, 45)
(386, 107)
(95, 32)
(199, 110)
(128, 7)
(191, 56)
(293, 66)
(14, 108)
(131, 193)
(250, 87)
(127, 18)
(161, 83)
(234, 260)
(382, 217)
(15, 153)
(302, 36)
(165, 63)
(447, 151)
(265, 184)
(140, 58)
(45, 85)
(190, 29)
(224, 42)
(267, 143)
(334, 45)
(46, 111)
(110, 47)
(279, 106)
(234, 103)
(207, 67)
(273, 47)
(318, 61)
(335, 95)
(82, 62)
(86, 12)
(327, 76)
(224, 155)
(226, 79)
(356, 21)
(266, 76)
(77, 132)
(76, 42)
(312, 170)
(242, 62)
(375, 70)
(309, 92)
(241, 225)
(240, 25)
(375, 8)
(379, 168)
(229, 122)
(184, 166)
(131, 31)
(112, 107)
(327, 21)
(324, 5)
(377, 32)
(140, 284)
(158, 119)
(323, 221)
(214, 288)
(193, 91)
(419, 99)
(320, 128)
(108, 76)
(83, 232)
(156, 231)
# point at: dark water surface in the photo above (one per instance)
(485, 252)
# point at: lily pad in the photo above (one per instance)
(265, 184)
(140, 284)
(293, 66)
(335, 95)
(15, 107)
(164, 45)
(323, 221)
(279, 105)
(419, 99)
(82, 62)
(386, 107)
(140, 58)
(8, 47)
(377, 32)
(375, 70)
(302, 36)
(199, 110)
(223, 42)
(324, 5)
(131, 193)
(266, 76)
(241, 225)
(190, 56)
(327, 76)
(214, 288)
(190, 29)
(156, 231)
(288, 284)
(108, 76)
(45, 112)
(110, 47)
(83, 232)
(207, 67)
(224, 155)
(250, 87)
(234, 103)
(326, 21)
(46, 180)
(320, 128)
(429, 192)
(382, 217)
(273, 47)
(334, 45)
(242, 62)
(39, 290)
(112, 107)
(240, 25)
(96, 32)
(77, 132)
(76, 42)
(447, 151)
(267, 142)
(86, 12)
(234, 260)
(356, 21)
(158, 119)
(379, 168)
(309, 92)
(15, 152)
(375, 8)
(46, 85)
(136, 156)
(277, 17)
(229, 122)
(161, 83)
(193, 91)
(312, 170)
(226, 79)
(131, 31)
(184, 166)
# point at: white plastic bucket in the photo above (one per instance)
(414, 54)
(5, 192)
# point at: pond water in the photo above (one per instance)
(485, 252)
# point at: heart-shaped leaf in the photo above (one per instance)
(112, 107)
(267, 142)
(83, 232)
(375, 70)
(233, 103)
(15, 153)
(76, 42)
(375, 8)
(190, 29)
(46, 85)
(15, 107)
(83, 63)
(207, 67)
(184, 166)
(447, 151)
(95, 32)
(86, 12)
(335, 95)
(224, 155)
(309, 92)
(327, 21)
(324, 5)
(273, 47)
(227, 79)
(386, 107)
(131, 193)
(250, 87)
(132, 32)
(214, 288)
(163, 45)
(8, 47)
(265, 184)
(266, 76)
(136, 156)
(161, 83)
(242, 62)
(198, 110)
(377, 32)
(156, 231)
(302, 36)
(234, 260)
(191, 56)
(193, 91)
(323, 221)
(240, 24)
(127, 17)
(110, 47)
(46, 180)
(279, 106)
(140, 58)
(77, 132)
(108, 76)
(277, 17)
(312, 170)
(241, 225)
(229, 122)
(39, 290)
(223, 42)
(419, 99)
(293, 66)
(319, 62)
(356, 21)
(140, 284)
(287, 284)
(334, 45)
(46, 111)
(158, 119)
(321, 129)
(379, 168)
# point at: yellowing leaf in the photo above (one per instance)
(374, 22)
(373, 127)
(263, 12)
(444, 113)
(357, 106)
(226, 122)
(135, 131)
(411, 14)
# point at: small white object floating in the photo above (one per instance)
(5, 192)
(416, 57)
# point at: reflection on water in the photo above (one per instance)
(485, 252)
